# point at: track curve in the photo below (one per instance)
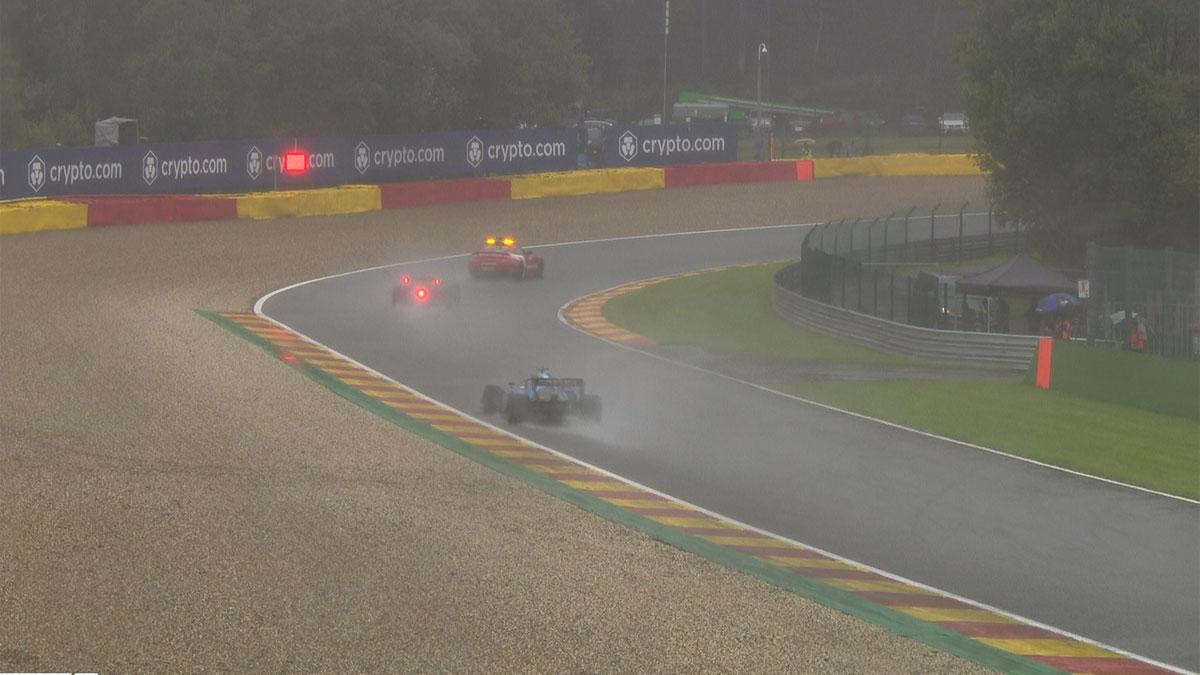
(175, 500)
(1098, 560)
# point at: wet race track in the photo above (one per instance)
(1102, 561)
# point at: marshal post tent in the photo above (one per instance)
(1019, 275)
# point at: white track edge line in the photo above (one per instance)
(720, 517)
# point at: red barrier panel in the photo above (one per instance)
(156, 209)
(1045, 362)
(804, 170)
(733, 172)
(426, 193)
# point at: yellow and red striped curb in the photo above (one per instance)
(587, 313)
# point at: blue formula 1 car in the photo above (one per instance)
(541, 398)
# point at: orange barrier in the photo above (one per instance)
(804, 170)
(1045, 355)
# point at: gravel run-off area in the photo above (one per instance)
(172, 498)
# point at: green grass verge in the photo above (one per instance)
(729, 313)
(1157, 451)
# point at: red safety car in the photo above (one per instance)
(427, 290)
(501, 257)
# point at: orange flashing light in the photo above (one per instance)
(509, 241)
(490, 241)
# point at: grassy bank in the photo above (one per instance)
(1133, 446)
(729, 313)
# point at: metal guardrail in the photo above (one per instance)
(995, 349)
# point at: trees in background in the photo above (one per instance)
(198, 69)
(191, 69)
(1087, 115)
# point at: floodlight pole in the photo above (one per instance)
(758, 130)
(666, 32)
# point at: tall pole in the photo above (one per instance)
(666, 32)
(758, 125)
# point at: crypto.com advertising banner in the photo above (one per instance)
(670, 144)
(236, 166)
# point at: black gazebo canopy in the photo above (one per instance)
(1020, 274)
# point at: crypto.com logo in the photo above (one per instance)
(37, 173)
(254, 162)
(627, 146)
(150, 168)
(362, 157)
(474, 152)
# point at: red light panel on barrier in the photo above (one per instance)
(295, 161)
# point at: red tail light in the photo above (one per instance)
(422, 294)
(406, 280)
(437, 281)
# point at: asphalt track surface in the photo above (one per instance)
(1106, 562)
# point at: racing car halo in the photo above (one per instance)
(501, 257)
(427, 290)
(542, 398)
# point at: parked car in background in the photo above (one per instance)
(953, 123)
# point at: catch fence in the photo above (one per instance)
(890, 266)
(1157, 291)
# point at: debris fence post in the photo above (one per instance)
(989, 244)
(960, 230)
(932, 228)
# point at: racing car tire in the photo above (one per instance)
(515, 409)
(519, 273)
(541, 272)
(493, 399)
(590, 407)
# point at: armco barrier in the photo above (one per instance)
(426, 193)
(910, 164)
(156, 209)
(586, 182)
(1014, 351)
(34, 215)
(319, 202)
(734, 172)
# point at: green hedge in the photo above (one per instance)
(1145, 381)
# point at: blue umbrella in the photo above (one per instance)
(1056, 302)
